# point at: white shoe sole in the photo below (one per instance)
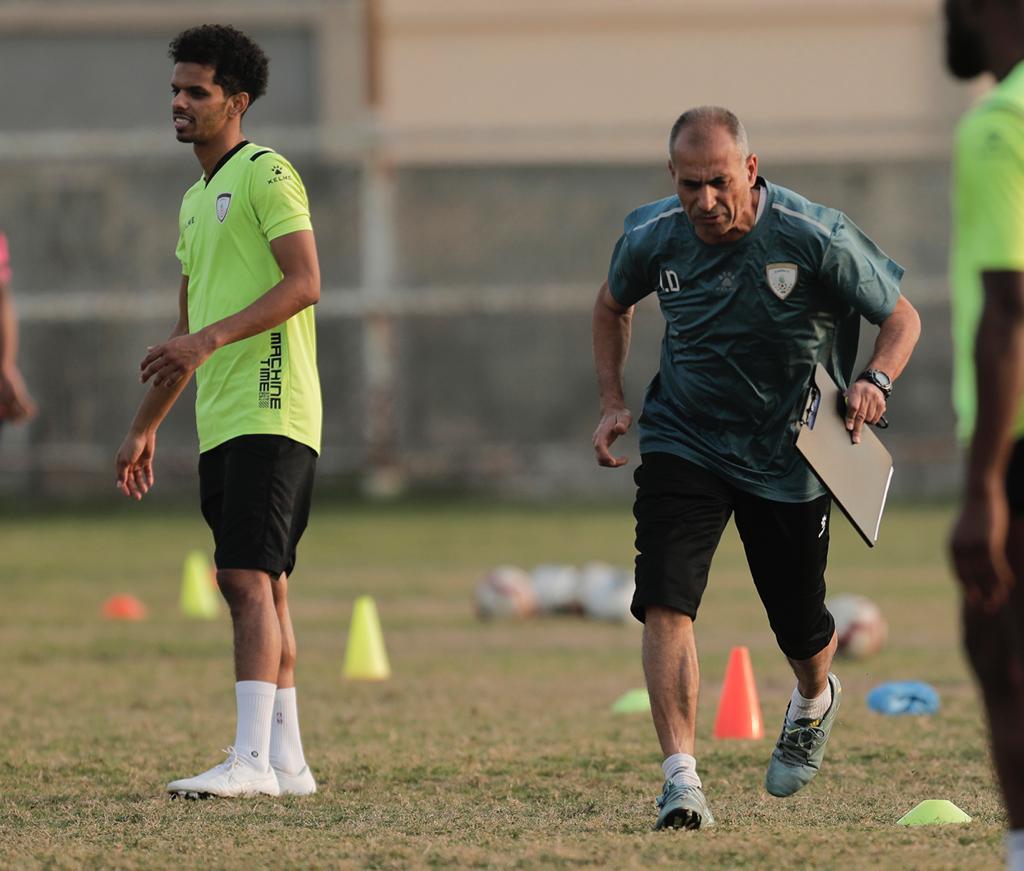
(266, 785)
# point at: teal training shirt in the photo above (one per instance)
(745, 323)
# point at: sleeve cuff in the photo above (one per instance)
(290, 225)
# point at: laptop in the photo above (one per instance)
(857, 476)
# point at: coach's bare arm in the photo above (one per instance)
(298, 288)
(897, 336)
(134, 459)
(612, 326)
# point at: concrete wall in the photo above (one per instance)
(489, 387)
(464, 80)
(469, 167)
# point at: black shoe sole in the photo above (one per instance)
(684, 818)
(190, 795)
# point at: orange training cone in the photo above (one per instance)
(739, 712)
(124, 607)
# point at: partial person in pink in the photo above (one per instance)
(15, 402)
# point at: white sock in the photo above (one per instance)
(808, 709)
(285, 743)
(255, 699)
(1015, 850)
(681, 769)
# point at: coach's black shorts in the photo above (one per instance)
(681, 512)
(255, 492)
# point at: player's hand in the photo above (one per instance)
(134, 464)
(614, 422)
(865, 403)
(15, 402)
(177, 358)
(978, 545)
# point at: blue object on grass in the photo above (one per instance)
(904, 697)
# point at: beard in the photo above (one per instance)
(965, 54)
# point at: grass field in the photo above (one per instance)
(493, 744)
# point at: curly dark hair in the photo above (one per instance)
(239, 64)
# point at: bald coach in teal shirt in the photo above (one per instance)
(756, 285)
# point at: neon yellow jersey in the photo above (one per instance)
(988, 224)
(267, 383)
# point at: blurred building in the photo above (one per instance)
(469, 163)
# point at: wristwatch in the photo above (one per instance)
(877, 377)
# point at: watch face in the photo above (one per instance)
(877, 377)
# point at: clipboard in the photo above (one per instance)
(857, 476)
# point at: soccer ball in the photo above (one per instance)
(860, 627)
(505, 591)
(606, 592)
(557, 589)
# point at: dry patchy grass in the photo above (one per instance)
(493, 744)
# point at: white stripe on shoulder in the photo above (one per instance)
(803, 217)
(676, 211)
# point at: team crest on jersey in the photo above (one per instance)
(223, 203)
(781, 278)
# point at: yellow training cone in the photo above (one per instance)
(198, 598)
(933, 812)
(365, 656)
(633, 702)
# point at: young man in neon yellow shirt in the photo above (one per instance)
(250, 277)
(988, 331)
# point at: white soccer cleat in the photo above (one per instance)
(295, 784)
(233, 777)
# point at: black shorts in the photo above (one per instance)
(681, 512)
(1015, 479)
(255, 492)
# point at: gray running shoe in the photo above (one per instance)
(800, 749)
(682, 807)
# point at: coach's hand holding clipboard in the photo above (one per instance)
(857, 475)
